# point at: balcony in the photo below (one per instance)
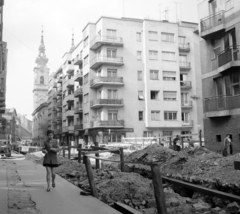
(185, 66)
(188, 123)
(69, 98)
(54, 96)
(78, 60)
(59, 91)
(59, 117)
(187, 104)
(101, 60)
(106, 102)
(68, 68)
(108, 123)
(78, 126)
(78, 109)
(186, 85)
(59, 104)
(54, 120)
(69, 129)
(229, 58)
(98, 41)
(99, 81)
(59, 79)
(184, 47)
(78, 92)
(54, 85)
(221, 105)
(212, 24)
(70, 83)
(70, 113)
(78, 76)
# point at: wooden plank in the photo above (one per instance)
(158, 189)
(121, 159)
(90, 176)
(97, 155)
(79, 153)
(116, 151)
(217, 193)
(123, 208)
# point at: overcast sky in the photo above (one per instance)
(22, 21)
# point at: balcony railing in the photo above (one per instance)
(78, 126)
(187, 123)
(229, 55)
(99, 60)
(221, 103)
(70, 82)
(78, 60)
(106, 80)
(78, 92)
(68, 68)
(186, 84)
(78, 76)
(187, 104)
(109, 102)
(185, 66)
(59, 104)
(184, 47)
(69, 98)
(212, 21)
(70, 113)
(78, 109)
(109, 40)
(109, 123)
(59, 117)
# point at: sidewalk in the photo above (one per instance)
(23, 191)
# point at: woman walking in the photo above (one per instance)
(50, 161)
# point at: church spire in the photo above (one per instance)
(42, 46)
(41, 59)
(73, 46)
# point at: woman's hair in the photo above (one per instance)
(50, 132)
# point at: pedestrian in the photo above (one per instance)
(50, 161)
(175, 142)
(227, 143)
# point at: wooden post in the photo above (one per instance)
(200, 137)
(97, 155)
(121, 159)
(63, 149)
(158, 189)
(182, 141)
(79, 153)
(90, 176)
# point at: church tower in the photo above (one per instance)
(41, 75)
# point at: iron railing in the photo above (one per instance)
(186, 84)
(109, 39)
(184, 46)
(186, 65)
(212, 21)
(78, 92)
(106, 59)
(228, 55)
(106, 79)
(98, 123)
(220, 103)
(106, 102)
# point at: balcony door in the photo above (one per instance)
(111, 34)
(111, 53)
(185, 117)
(183, 60)
(99, 94)
(183, 79)
(111, 72)
(185, 98)
(112, 94)
(99, 115)
(112, 115)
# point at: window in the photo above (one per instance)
(153, 36)
(219, 138)
(99, 94)
(111, 34)
(148, 134)
(167, 133)
(140, 115)
(41, 80)
(169, 75)
(170, 95)
(85, 79)
(139, 36)
(99, 73)
(113, 115)
(154, 95)
(155, 115)
(86, 98)
(185, 98)
(112, 72)
(111, 53)
(168, 56)
(153, 74)
(85, 43)
(153, 55)
(139, 75)
(235, 83)
(112, 94)
(168, 37)
(170, 115)
(140, 95)
(181, 39)
(86, 118)
(85, 61)
(185, 117)
(228, 4)
(99, 115)
(139, 55)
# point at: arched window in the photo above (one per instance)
(41, 80)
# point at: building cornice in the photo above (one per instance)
(45, 104)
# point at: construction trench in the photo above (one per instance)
(133, 187)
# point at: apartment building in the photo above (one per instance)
(132, 78)
(220, 61)
(3, 64)
(40, 96)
